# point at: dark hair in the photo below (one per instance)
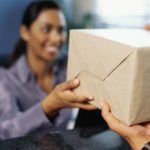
(30, 15)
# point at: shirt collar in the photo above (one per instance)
(24, 72)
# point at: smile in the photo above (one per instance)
(51, 49)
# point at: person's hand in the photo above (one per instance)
(136, 135)
(147, 27)
(64, 97)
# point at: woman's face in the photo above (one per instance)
(46, 35)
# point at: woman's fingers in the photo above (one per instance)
(72, 96)
(69, 85)
(85, 106)
(74, 99)
(80, 99)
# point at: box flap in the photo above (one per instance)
(91, 84)
(95, 54)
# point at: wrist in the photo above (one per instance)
(49, 108)
(138, 142)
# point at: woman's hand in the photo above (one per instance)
(136, 135)
(63, 96)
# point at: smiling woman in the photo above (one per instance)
(34, 72)
(45, 36)
(43, 33)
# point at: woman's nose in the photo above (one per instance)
(54, 36)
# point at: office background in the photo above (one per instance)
(79, 14)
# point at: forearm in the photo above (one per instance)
(23, 123)
(49, 108)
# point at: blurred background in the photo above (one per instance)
(79, 14)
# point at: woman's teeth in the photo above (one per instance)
(51, 49)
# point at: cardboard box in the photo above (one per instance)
(113, 65)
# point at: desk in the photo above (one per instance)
(77, 139)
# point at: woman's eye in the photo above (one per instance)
(46, 29)
(61, 30)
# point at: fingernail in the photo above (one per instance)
(76, 81)
(102, 104)
(90, 97)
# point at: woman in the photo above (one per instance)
(34, 72)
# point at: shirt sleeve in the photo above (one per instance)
(13, 122)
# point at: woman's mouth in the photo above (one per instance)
(51, 49)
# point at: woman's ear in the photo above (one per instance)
(24, 33)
